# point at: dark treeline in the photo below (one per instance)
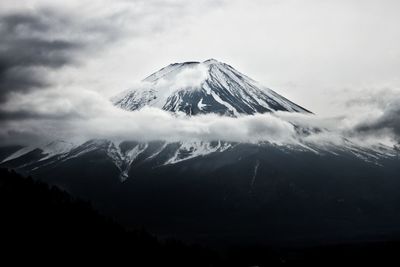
(41, 223)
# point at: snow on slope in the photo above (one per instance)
(54, 148)
(204, 87)
(189, 150)
(124, 155)
(124, 159)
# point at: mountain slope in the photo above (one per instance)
(128, 154)
(204, 87)
(251, 192)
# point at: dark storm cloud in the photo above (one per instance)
(378, 111)
(388, 121)
(32, 115)
(36, 42)
(29, 45)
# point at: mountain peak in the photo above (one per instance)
(204, 87)
(212, 61)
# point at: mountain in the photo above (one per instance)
(219, 191)
(204, 87)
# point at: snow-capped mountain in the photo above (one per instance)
(204, 186)
(193, 88)
(204, 87)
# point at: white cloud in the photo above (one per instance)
(185, 78)
(191, 77)
(83, 115)
(80, 115)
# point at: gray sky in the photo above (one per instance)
(324, 55)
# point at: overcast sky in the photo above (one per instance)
(325, 55)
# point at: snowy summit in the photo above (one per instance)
(204, 87)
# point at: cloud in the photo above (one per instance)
(386, 120)
(36, 43)
(79, 115)
(28, 47)
(367, 117)
(190, 77)
(177, 77)
(83, 115)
